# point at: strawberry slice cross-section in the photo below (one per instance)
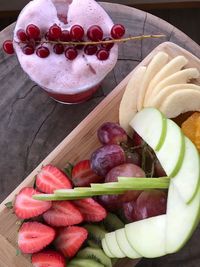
(63, 213)
(83, 175)
(50, 178)
(70, 239)
(26, 207)
(34, 236)
(48, 258)
(91, 210)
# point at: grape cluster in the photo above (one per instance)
(114, 159)
(33, 40)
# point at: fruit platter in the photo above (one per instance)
(93, 200)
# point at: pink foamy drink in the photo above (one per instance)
(67, 72)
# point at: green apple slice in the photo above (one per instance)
(171, 153)
(151, 125)
(113, 246)
(182, 219)
(148, 236)
(71, 193)
(188, 178)
(98, 191)
(124, 245)
(135, 184)
(106, 249)
(51, 197)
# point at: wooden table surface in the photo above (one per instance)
(32, 125)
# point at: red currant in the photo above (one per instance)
(102, 54)
(58, 49)
(28, 49)
(90, 50)
(95, 33)
(71, 53)
(117, 31)
(77, 33)
(55, 32)
(107, 46)
(42, 52)
(22, 36)
(33, 31)
(65, 36)
(8, 47)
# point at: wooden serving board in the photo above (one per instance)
(76, 146)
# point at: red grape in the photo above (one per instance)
(114, 202)
(125, 170)
(107, 157)
(159, 171)
(134, 157)
(111, 133)
(150, 203)
(137, 140)
(129, 211)
(110, 202)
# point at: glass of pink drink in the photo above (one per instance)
(65, 80)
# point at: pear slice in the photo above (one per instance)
(157, 63)
(148, 236)
(176, 64)
(128, 105)
(167, 91)
(182, 219)
(188, 178)
(172, 152)
(151, 125)
(180, 77)
(180, 102)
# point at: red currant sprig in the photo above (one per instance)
(32, 41)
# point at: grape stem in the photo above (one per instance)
(123, 40)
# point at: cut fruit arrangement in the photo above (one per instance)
(131, 197)
(56, 212)
(62, 223)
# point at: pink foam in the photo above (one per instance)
(56, 73)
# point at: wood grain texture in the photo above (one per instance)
(32, 125)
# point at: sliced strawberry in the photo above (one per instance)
(91, 210)
(26, 207)
(83, 175)
(70, 239)
(51, 178)
(63, 213)
(34, 236)
(48, 258)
